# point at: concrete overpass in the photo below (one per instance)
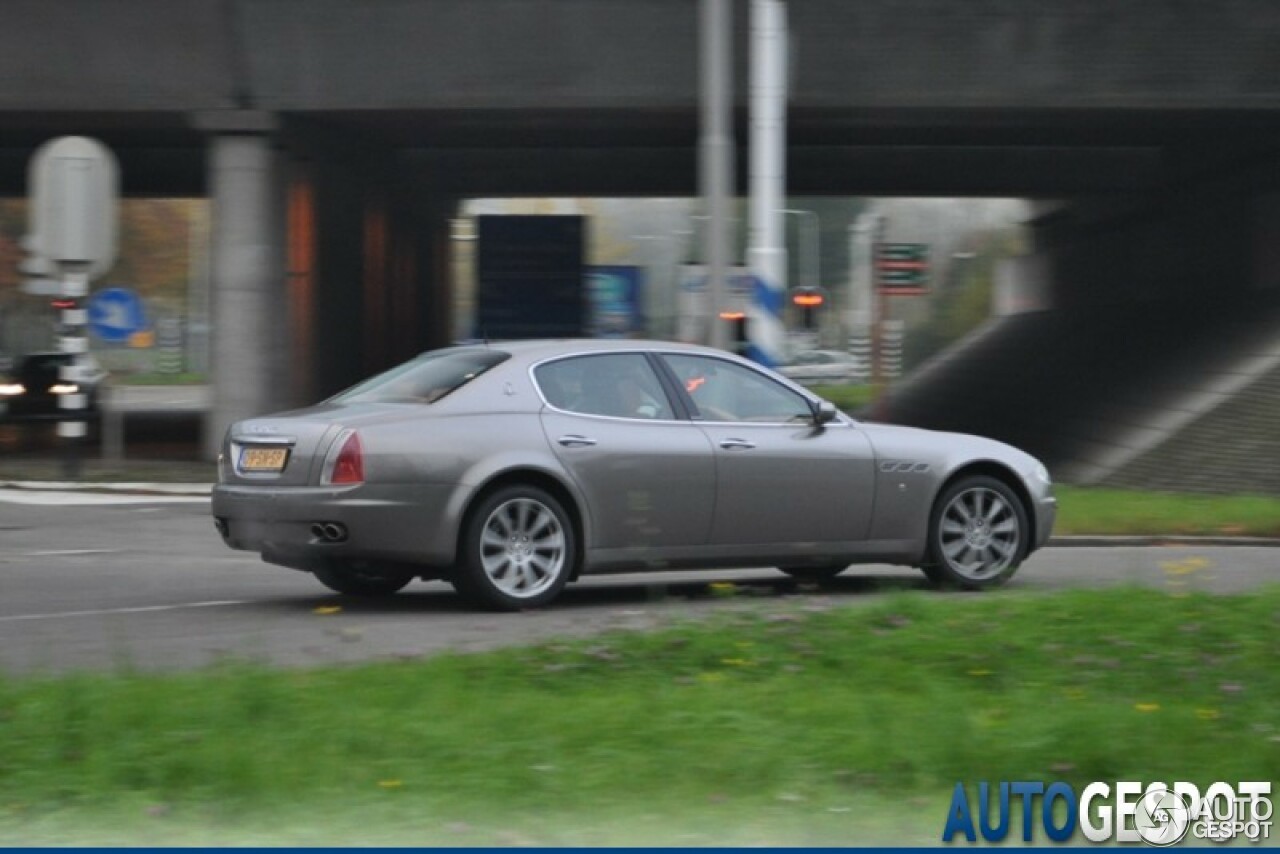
(335, 137)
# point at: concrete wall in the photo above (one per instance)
(1160, 118)
(324, 55)
(1165, 309)
(1210, 240)
(373, 294)
(115, 55)
(1085, 54)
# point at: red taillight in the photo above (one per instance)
(349, 466)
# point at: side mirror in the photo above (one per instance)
(824, 412)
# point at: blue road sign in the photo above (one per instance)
(116, 313)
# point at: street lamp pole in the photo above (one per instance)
(812, 245)
(879, 384)
(767, 252)
(715, 173)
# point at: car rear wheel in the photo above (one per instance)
(360, 579)
(813, 573)
(978, 534)
(518, 550)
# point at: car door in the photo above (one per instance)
(647, 473)
(779, 477)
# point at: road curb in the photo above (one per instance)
(201, 489)
(1088, 541)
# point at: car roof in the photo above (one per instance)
(542, 348)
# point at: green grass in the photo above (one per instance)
(845, 397)
(1118, 511)
(157, 378)
(776, 724)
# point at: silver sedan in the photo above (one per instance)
(511, 469)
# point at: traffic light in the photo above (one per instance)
(809, 301)
(737, 321)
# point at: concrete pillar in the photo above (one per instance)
(249, 331)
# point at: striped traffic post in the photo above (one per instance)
(73, 426)
(74, 185)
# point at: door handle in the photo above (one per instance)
(573, 441)
(730, 444)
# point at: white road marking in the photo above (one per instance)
(106, 612)
(62, 552)
(53, 497)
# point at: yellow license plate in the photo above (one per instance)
(263, 459)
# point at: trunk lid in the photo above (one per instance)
(289, 448)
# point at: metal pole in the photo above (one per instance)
(715, 173)
(862, 292)
(110, 410)
(812, 243)
(881, 308)
(767, 255)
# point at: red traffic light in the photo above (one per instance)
(62, 303)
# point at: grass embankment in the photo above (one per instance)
(761, 725)
(845, 397)
(157, 378)
(1117, 511)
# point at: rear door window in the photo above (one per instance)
(618, 385)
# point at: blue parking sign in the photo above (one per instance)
(116, 313)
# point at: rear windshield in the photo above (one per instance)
(425, 379)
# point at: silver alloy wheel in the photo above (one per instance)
(522, 548)
(979, 534)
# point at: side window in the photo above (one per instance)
(621, 385)
(726, 391)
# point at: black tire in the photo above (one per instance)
(517, 550)
(978, 534)
(814, 574)
(361, 579)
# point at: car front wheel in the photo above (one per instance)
(978, 534)
(518, 550)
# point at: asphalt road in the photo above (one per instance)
(149, 585)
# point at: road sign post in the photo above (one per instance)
(74, 186)
(901, 269)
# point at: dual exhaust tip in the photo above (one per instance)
(329, 532)
(325, 532)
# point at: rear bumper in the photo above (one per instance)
(399, 522)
